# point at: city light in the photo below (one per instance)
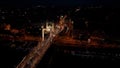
(45, 36)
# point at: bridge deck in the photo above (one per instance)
(34, 57)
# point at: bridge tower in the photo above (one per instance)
(49, 28)
(62, 19)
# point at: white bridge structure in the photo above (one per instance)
(36, 54)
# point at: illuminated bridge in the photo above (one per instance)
(34, 57)
(87, 49)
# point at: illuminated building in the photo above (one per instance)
(7, 27)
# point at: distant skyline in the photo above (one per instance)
(24, 3)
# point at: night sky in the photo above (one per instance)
(57, 2)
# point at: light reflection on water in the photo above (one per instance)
(64, 56)
(12, 55)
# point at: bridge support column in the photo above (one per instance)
(43, 34)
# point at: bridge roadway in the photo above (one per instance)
(36, 54)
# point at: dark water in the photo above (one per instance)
(10, 57)
(60, 57)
